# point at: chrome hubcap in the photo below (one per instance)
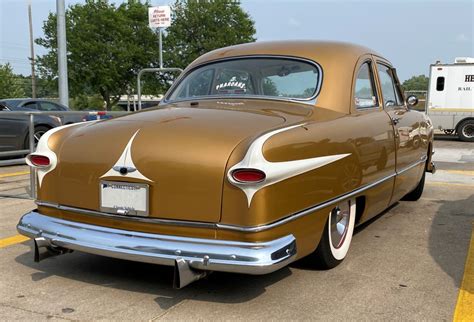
(340, 216)
(468, 130)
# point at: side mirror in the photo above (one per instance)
(412, 100)
(389, 103)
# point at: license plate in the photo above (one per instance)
(124, 198)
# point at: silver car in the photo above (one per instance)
(14, 128)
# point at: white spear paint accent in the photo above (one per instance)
(42, 148)
(125, 160)
(275, 171)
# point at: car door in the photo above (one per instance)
(12, 130)
(373, 137)
(407, 129)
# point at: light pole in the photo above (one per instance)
(62, 54)
(32, 53)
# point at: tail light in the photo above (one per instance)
(40, 161)
(248, 175)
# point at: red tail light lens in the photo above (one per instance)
(248, 175)
(39, 160)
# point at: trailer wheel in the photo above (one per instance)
(466, 131)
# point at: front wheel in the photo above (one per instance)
(337, 235)
(39, 131)
(466, 131)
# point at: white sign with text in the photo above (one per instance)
(159, 17)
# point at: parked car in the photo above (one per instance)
(260, 154)
(92, 117)
(14, 129)
(19, 104)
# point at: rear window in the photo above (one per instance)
(263, 77)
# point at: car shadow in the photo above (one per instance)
(308, 263)
(151, 279)
(445, 137)
(450, 236)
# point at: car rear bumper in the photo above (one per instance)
(203, 254)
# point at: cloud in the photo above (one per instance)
(462, 38)
(293, 22)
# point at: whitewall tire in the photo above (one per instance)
(337, 236)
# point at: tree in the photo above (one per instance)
(11, 85)
(107, 46)
(416, 83)
(201, 26)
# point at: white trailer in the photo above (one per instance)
(450, 102)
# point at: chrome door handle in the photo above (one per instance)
(395, 120)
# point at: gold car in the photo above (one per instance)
(259, 154)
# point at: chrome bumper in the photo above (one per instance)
(201, 254)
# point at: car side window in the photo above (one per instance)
(31, 105)
(364, 91)
(47, 106)
(391, 96)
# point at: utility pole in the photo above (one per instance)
(62, 56)
(32, 53)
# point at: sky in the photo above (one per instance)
(411, 34)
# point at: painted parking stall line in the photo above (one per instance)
(12, 240)
(14, 174)
(465, 304)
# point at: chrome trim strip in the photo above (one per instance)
(245, 229)
(422, 159)
(204, 254)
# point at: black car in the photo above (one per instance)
(14, 128)
(19, 104)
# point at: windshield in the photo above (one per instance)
(11, 103)
(266, 77)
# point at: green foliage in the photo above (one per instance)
(201, 26)
(84, 102)
(269, 87)
(10, 84)
(416, 83)
(107, 46)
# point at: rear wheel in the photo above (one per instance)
(337, 235)
(466, 131)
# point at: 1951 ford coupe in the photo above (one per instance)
(259, 154)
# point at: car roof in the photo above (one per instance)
(309, 49)
(12, 102)
(15, 102)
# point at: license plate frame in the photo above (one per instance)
(107, 205)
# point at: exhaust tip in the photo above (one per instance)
(185, 275)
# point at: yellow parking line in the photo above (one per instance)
(13, 174)
(12, 240)
(464, 310)
(465, 172)
(440, 183)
